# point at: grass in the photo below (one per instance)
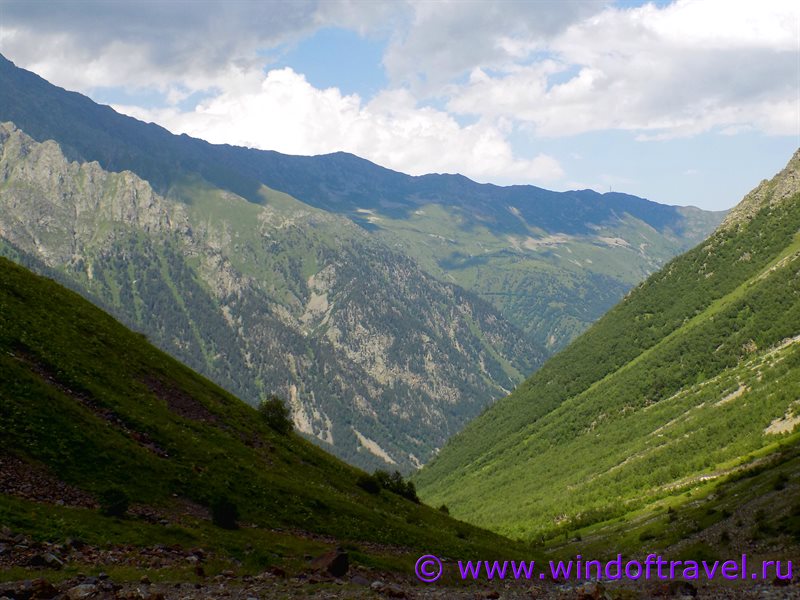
(576, 279)
(676, 384)
(74, 392)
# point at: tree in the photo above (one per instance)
(394, 482)
(276, 414)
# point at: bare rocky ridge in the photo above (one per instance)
(379, 361)
(773, 191)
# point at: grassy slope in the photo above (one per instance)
(74, 387)
(755, 511)
(631, 411)
(552, 287)
(571, 294)
(223, 284)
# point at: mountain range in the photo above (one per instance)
(116, 458)
(692, 380)
(387, 309)
(391, 312)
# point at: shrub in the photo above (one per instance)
(443, 508)
(114, 502)
(276, 414)
(369, 483)
(224, 513)
(394, 482)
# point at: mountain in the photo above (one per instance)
(388, 309)
(693, 378)
(91, 415)
(380, 361)
(550, 262)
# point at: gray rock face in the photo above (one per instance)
(378, 361)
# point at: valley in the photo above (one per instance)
(690, 380)
(230, 372)
(320, 279)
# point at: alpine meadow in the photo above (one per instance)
(369, 299)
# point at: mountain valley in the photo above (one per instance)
(386, 309)
(690, 382)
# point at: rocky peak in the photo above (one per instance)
(770, 192)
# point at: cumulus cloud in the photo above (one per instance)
(445, 39)
(540, 69)
(675, 71)
(168, 46)
(282, 111)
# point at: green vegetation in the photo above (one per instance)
(224, 513)
(391, 482)
(114, 502)
(275, 414)
(551, 286)
(86, 399)
(694, 371)
(270, 298)
(721, 517)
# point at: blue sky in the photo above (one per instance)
(687, 102)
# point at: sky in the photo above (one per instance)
(690, 102)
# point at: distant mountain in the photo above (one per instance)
(92, 416)
(379, 361)
(693, 377)
(551, 263)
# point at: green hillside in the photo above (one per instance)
(87, 405)
(550, 262)
(695, 374)
(379, 361)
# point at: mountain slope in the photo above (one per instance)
(551, 262)
(695, 371)
(90, 405)
(380, 361)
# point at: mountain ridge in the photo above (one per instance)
(329, 322)
(689, 375)
(88, 406)
(497, 240)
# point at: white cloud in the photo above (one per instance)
(546, 69)
(664, 72)
(283, 112)
(447, 38)
(165, 45)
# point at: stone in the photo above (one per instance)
(42, 589)
(682, 589)
(47, 559)
(277, 571)
(394, 591)
(592, 591)
(337, 563)
(79, 592)
(52, 561)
